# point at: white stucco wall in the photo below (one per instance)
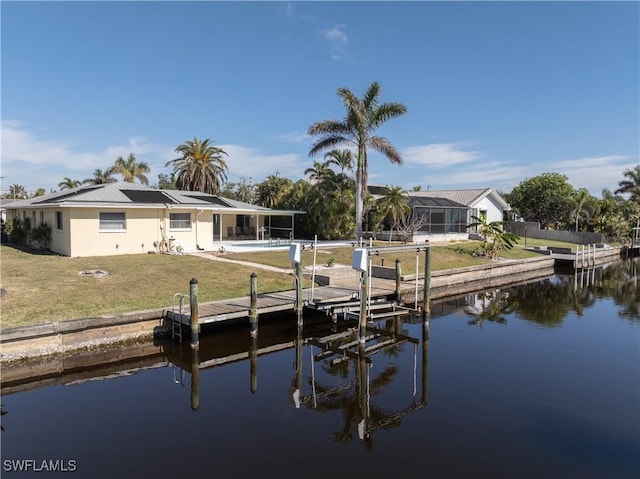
(142, 229)
(493, 209)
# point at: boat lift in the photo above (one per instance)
(363, 308)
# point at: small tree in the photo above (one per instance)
(495, 238)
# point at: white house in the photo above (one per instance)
(125, 218)
(444, 214)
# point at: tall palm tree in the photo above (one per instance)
(100, 177)
(131, 169)
(632, 185)
(200, 166)
(363, 117)
(68, 183)
(394, 205)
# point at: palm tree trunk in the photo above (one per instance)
(359, 205)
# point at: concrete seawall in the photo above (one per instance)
(74, 335)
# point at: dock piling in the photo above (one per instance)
(363, 305)
(194, 319)
(398, 278)
(299, 301)
(253, 308)
(426, 300)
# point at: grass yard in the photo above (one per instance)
(454, 255)
(47, 288)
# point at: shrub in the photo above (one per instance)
(40, 237)
(16, 231)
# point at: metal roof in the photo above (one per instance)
(466, 197)
(132, 195)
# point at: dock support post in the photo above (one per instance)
(194, 317)
(253, 309)
(426, 299)
(363, 305)
(398, 275)
(299, 301)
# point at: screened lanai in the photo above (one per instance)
(439, 216)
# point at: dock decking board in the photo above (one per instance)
(226, 309)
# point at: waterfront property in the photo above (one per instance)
(443, 215)
(528, 381)
(124, 218)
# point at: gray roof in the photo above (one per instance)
(465, 197)
(132, 195)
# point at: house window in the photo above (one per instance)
(41, 217)
(180, 221)
(112, 222)
(58, 220)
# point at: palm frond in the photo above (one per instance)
(382, 145)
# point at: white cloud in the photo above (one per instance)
(338, 40)
(593, 173)
(35, 162)
(18, 144)
(244, 161)
(336, 34)
(439, 154)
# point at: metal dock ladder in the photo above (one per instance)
(176, 318)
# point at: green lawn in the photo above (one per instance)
(455, 255)
(46, 288)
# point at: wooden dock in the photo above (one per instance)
(228, 309)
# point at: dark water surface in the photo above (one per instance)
(534, 381)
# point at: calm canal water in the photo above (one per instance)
(540, 380)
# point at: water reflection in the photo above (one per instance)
(520, 401)
(548, 302)
(336, 350)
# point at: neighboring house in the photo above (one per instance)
(125, 218)
(443, 215)
(3, 208)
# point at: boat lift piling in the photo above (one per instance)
(362, 263)
(295, 256)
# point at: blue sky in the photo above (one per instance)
(496, 92)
